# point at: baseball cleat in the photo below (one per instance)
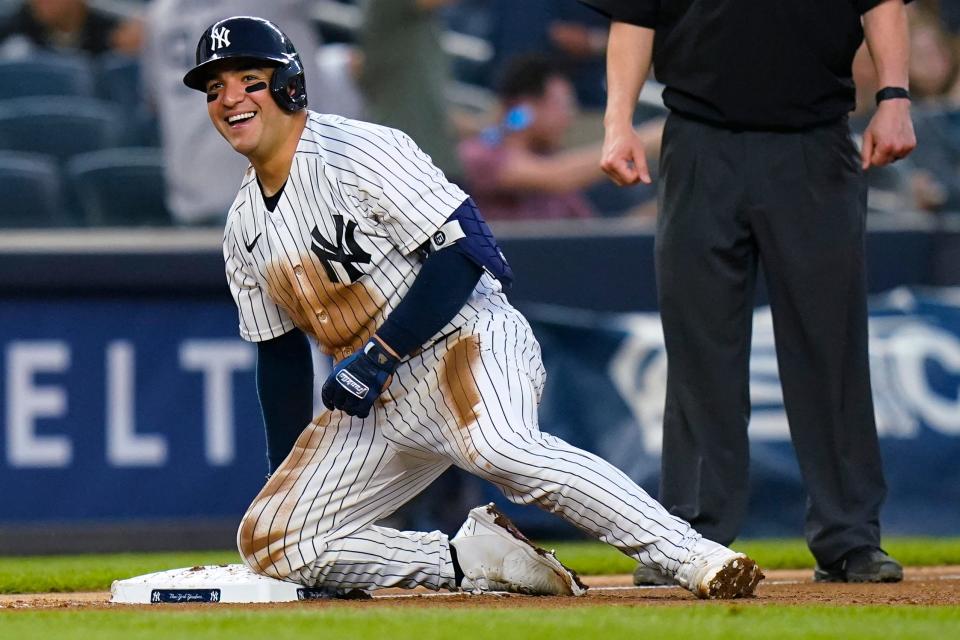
(716, 572)
(495, 556)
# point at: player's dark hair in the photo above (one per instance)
(526, 76)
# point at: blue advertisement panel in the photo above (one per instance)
(126, 409)
(146, 409)
(606, 386)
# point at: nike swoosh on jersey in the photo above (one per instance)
(253, 243)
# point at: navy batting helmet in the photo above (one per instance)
(254, 39)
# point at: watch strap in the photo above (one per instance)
(891, 93)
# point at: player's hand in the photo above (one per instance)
(889, 136)
(623, 157)
(357, 380)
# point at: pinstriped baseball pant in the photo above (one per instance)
(469, 400)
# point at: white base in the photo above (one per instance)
(223, 583)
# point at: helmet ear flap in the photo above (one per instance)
(289, 87)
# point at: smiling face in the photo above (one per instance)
(244, 112)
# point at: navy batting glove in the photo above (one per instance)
(357, 381)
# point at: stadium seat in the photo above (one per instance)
(30, 191)
(119, 82)
(120, 187)
(45, 74)
(59, 126)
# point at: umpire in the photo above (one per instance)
(758, 166)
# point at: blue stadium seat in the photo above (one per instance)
(29, 191)
(120, 187)
(58, 126)
(46, 74)
(119, 82)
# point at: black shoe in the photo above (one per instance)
(866, 564)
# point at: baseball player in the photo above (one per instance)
(345, 231)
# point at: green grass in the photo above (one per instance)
(706, 621)
(700, 620)
(96, 572)
(591, 558)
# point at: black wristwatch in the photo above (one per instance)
(890, 93)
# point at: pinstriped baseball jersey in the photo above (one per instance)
(338, 252)
(334, 257)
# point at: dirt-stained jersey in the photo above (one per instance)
(335, 257)
(339, 251)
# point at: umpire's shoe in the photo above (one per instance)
(644, 576)
(495, 556)
(866, 564)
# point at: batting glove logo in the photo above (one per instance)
(357, 380)
(351, 384)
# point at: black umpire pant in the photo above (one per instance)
(795, 202)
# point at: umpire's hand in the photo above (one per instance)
(889, 136)
(623, 157)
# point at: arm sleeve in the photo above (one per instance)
(285, 389)
(643, 13)
(442, 287)
(260, 317)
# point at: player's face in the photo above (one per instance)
(244, 112)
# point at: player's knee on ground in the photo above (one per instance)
(272, 552)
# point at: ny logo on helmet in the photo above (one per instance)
(220, 38)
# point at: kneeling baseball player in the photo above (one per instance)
(346, 231)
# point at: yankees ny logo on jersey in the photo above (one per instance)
(220, 38)
(329, 253)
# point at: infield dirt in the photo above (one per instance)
(921, 587)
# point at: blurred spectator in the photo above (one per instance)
(338, 69)
(947, 11)
(935, 168)
(865, 79)
(572, 35)
(405, 74)
(933, 61)
(71, 25)
(201, 171)
(515, 169)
